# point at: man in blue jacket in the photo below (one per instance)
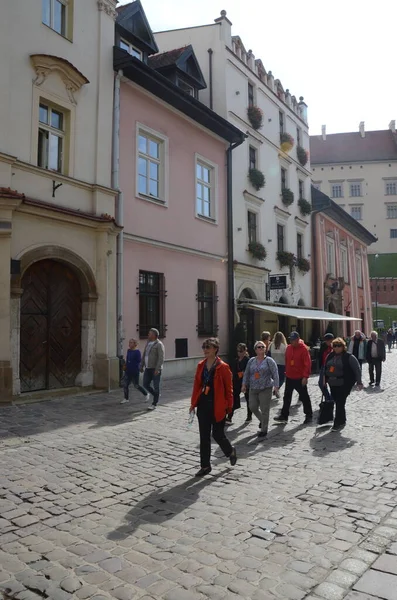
(131, 367)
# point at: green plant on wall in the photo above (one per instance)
(287, 197)
(286, 259)
(303, 155)
(303, 265)
(257, 250)
(304, 206)
(256, 178)
(255, 117)
(286, 142)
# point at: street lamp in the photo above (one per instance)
(376, 292)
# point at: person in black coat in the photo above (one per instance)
(238, 374)
(376, 355)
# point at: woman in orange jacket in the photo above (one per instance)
(213, 397)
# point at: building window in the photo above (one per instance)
(205, 190)
(252, 157)
(280, 238)
(337, 190)
(54, 14)
(393, 233)
(391, 211)
(252, 228)
(330, 257)
(299, 245)
(391, 188)
(355, 190)
(51, 140)
(384, 288)
(124, 45)
(152, 296)
(207, 299)
(301, 189)
(344, 267)
(186, 87)
(281, 121)
(359, 272)
(356, 212)
(151, 167)
(298, 136)
(251, 99)
(283, 178)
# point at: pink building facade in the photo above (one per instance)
(173, 176)
(341, 282)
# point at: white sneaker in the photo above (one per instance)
(124, 401)
(151, 407)
(148, 398)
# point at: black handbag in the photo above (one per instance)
(326, 412)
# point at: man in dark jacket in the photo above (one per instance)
(325, 351)
(376, 355)
(131, 368)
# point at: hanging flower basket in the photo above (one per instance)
(256, 178)
(257, 250)
(303, 265)
(286, 259)
(286, 142)
(255, 116)
(287, 197)
(303, 155)
(304, 206)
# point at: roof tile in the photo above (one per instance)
(351, 147)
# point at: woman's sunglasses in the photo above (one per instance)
(207, 346)
(259, 347)
(337, 345)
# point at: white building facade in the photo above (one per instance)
(271, 172)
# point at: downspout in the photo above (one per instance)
(230, 253)
(210, 53)
(119, 211)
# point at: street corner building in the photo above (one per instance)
(57, 206)
(175, 178)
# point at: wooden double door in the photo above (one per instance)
(50, 355)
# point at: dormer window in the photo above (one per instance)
(130, 49)
(186, 87)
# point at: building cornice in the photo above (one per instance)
(173, 247)
(109, 7)
(45, 64)
(282, 213)
(253, 199)
(246, 269)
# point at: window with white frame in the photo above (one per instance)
(391, 211)
(124, 45)
(151, 167)
(205, 190)
(54, 13)
(344, 265)
(337, 190)
(189, 89)
(393, 233)
(359, 271)
(331, 257)
(51, 138)
(356, 212)
(355, 190)
(391, 188)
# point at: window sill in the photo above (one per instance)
(207, 219)
(64, 37)
(207, 334)
(153, 200)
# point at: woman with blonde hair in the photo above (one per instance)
(277, 351)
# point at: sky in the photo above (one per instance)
(340, 56)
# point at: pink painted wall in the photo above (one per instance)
(176, 224)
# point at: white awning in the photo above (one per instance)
(301, 313)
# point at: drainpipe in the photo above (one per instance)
(210, 53)
(119, 211)
(230, 254)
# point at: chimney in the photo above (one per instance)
(323, 132)
(392, 126)
(226, 29)
(361, 129)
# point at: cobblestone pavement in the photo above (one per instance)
(98, 500)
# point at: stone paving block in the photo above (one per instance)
(378, 584)
(330, 591)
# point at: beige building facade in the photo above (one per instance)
(57, 207)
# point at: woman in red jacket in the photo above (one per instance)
(213, 397)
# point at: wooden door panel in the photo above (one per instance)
(33, 364)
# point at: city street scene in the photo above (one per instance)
(198, 301)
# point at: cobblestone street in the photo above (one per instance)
(98, 500)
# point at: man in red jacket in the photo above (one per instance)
(297, 371)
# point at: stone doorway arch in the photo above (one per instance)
(83, 273)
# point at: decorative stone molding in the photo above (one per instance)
(44, 64)
(109, 7)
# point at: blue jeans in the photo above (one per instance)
(324, 388)
(148, 378)
(281, 374)
(134, 379)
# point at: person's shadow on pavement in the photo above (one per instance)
(325, 441)
(163, 504)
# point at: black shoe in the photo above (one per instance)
(203, 471)
(377, 384)
(248, 419)
(308, 420)
(371, 383)
(262, 434)
(280, 420)
(233, 457)
(338, 427)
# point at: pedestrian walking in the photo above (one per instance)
(213, 397)
(389, 339)
(297, 371)
(238, 374)
(266, 338)
(342, 371)
(152, 363)
(277, 350)
(376, 355)
(131, 371)
(260, 377)
(325, 351)
(357, 346)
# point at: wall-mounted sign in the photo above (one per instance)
(278, 282)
